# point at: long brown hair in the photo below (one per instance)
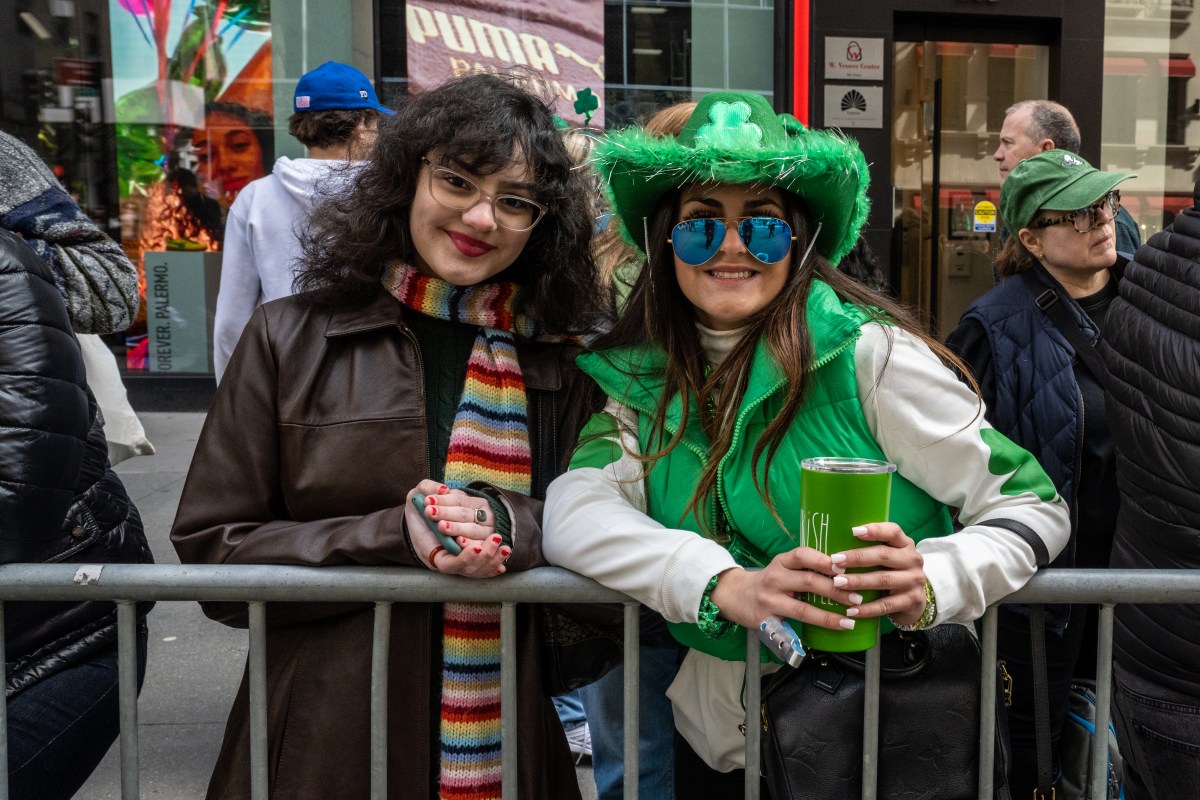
(658, 314)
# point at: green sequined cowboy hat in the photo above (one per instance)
(736, 137)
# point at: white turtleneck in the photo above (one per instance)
(718, 344)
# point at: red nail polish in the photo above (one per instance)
(504, 551)
(432, 511)
(443, 489)
(431, 501)
(478, 549)
(497, 540)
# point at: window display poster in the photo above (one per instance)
(559, 41)
(193, 113)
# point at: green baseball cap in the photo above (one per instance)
(736, 137)
(1053, 180)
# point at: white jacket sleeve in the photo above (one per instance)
(595, 523)
(932, 427)
(240, 288)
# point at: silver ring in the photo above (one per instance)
(480, 516)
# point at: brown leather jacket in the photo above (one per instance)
(315, 436)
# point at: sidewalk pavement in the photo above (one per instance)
(194, 664)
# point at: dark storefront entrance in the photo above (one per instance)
(950, 69)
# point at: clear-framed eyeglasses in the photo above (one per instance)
(1085, 220)
(457, 192)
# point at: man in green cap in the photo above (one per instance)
(1035, 126)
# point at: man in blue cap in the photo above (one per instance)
(335, 116)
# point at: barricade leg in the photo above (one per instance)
(987, 704)
(127, 676)
(508, 700)
(1104, 648)
(871, 723)
(632, 715)
(380, 647)
(258, 701)
(753, 715)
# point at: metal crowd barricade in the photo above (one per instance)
(127, 584)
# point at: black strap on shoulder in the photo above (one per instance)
(1040, 553)
(1047, 300)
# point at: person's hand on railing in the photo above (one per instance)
(452, 519)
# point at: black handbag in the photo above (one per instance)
(928, 722)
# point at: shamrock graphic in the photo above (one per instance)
(586, 103)
(730, 127)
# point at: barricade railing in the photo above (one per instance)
(257, 585)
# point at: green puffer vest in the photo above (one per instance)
(830, 423)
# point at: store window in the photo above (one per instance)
(635, 56)
(155, 114)
(1151, 122)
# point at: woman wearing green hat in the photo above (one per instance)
(741, 351)
(1040, 390)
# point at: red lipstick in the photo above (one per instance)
(469, 246)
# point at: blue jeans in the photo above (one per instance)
(604, 701)
(570, 709)
(1158, 731)
(60, 728)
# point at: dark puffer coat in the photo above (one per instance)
(59, 500)
(1153, 354)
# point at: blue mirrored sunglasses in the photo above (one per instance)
(768, 239)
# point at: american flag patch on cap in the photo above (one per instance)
(302, 101)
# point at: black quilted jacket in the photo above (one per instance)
(1152, 350)
(59, 500)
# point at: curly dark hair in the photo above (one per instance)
(329, 128)
(483, 123)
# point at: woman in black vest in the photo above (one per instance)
(1029, 344)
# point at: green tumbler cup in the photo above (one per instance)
(837, 494)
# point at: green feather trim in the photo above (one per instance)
(825, 169)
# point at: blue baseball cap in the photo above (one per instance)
(335, 87)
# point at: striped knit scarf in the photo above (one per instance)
(489, 441)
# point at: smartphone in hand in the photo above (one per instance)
(452, 546)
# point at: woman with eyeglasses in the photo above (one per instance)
(407, 409)
(1022, 342)
(740, 351)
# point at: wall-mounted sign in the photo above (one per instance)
(853, 59)
(985, 217)
(853, 106)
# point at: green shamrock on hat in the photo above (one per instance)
(730, 127)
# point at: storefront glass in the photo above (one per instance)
(156, 113)
(1152, 105)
